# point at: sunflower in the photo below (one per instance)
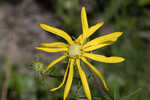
(79, 50)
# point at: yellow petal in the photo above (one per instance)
(64, 79)
(90, 31)
(54, 62)
(96, 46)
(104, 59)
(51, 49)
(70, 78)
(84, 80)
(84, 22)
(104, 39)
(96, 71)
(58, 32)
(56, 44)
(94, 28)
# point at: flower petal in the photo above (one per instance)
(56, 44)
(84, 80)
(96, 71)
(64, 79)
(90, 31)
(70, 78)
(97, 46)
(51, 49)
(94, 28)
(84, 22)
(104, 59)
(58, 32)
(54, 62)
(104, 39)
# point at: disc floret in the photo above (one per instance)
(74, 50)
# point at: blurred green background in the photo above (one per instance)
(20, 32)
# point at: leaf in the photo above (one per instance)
(132, 94)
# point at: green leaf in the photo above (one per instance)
(132, 94)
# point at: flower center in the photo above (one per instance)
(74, 50)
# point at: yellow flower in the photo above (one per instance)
(79, 50)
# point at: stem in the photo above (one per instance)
(60, 77)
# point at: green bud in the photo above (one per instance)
(37, 66)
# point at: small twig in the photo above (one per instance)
(59, 77)
(7, 77)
